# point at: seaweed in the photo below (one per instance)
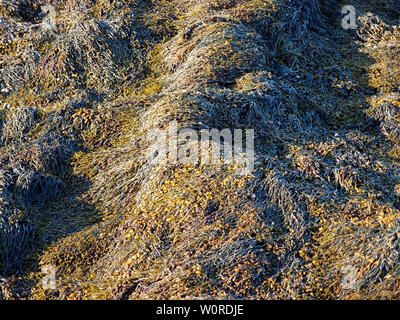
(84, 83)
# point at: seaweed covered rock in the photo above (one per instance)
(84, 84)
(15, 238)
(18, 123)
(91, 52)
(213, 53)
(51, 154)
